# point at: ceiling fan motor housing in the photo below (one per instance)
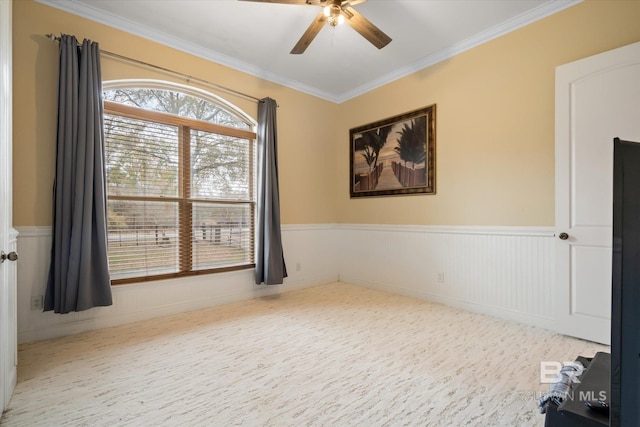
(332, 12)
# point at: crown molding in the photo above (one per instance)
(94, 14)
(540, 12)
(111, 20)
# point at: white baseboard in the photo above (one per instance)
(517, 316)
(103, 318)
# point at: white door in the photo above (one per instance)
(597, 99)
(7, 238)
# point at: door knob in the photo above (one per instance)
(11, 256)
(563, 236)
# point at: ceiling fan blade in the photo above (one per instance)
(310, 2)
(310, 34)
(366, 29)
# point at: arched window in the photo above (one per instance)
(180, 167)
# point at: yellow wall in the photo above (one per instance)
(495, 122)
(307, 191)
(495, 119)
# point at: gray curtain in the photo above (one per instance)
(270, 266)
(79, 271)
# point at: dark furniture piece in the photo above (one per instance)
(619, 372)
(625, 286)
(594, 384)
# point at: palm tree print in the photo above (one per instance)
(412, 145)
(369, 156)
(373, 141)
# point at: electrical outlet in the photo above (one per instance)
(298, 266)
(440, 277)
(37, 302)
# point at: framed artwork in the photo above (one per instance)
(394, 156)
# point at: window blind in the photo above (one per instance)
(180, 197)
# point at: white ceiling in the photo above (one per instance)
(339, 64)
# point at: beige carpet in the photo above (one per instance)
(330, 355)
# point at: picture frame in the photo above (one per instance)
(394, 156)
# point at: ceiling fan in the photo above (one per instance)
(335, 12)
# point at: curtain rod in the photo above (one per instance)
(166, 70)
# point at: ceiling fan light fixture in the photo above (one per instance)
(332, 12)
(333, 21)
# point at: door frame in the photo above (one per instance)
(575, 324)
(8, 303)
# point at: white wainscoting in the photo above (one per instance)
(506, 272)
(501, 271)
(310, 248)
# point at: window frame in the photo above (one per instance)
(184, 201)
